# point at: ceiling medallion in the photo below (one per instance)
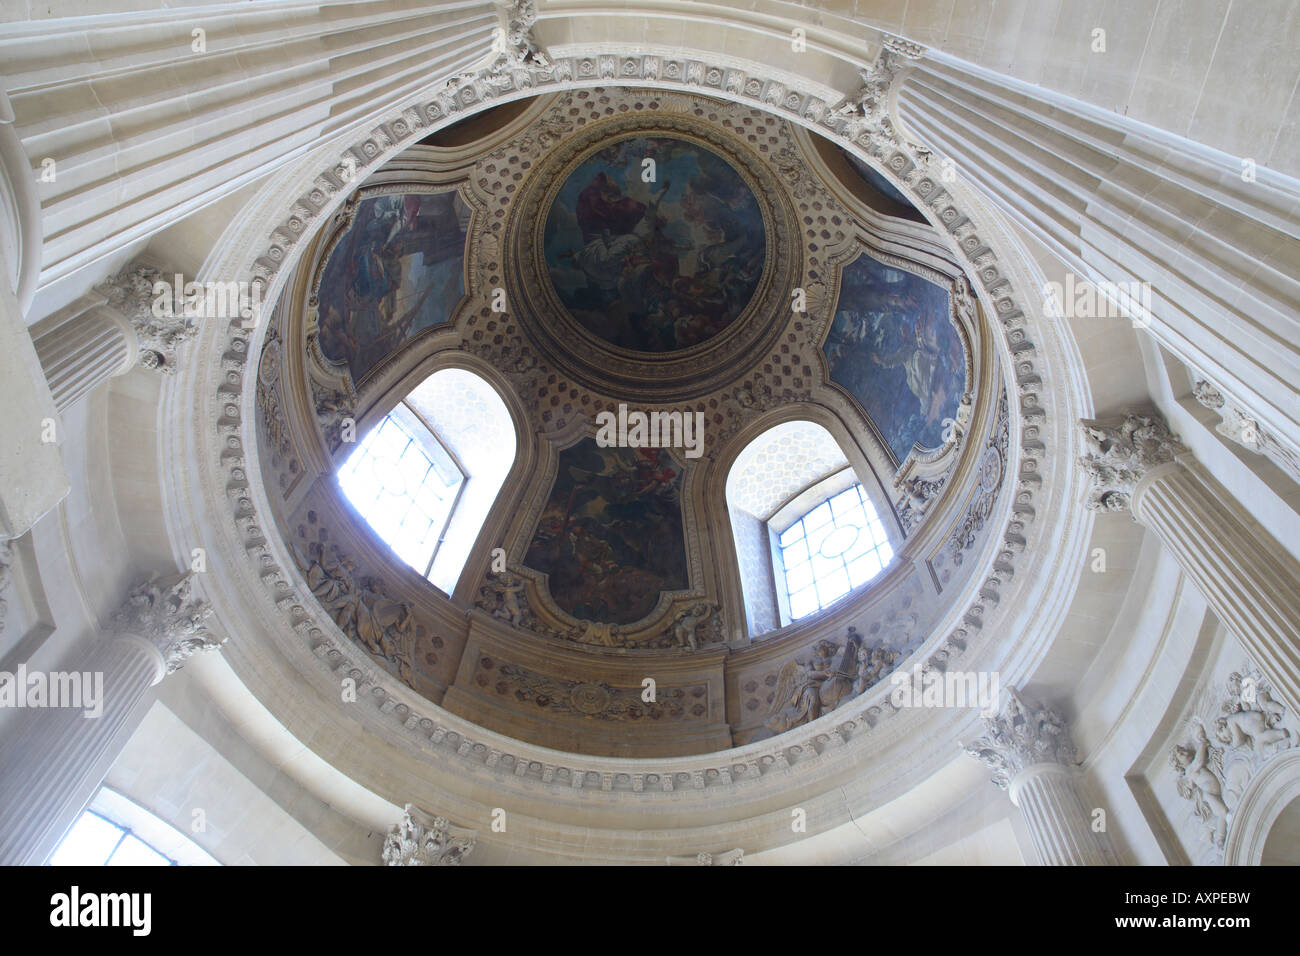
(654, 254)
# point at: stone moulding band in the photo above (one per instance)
(906, 167)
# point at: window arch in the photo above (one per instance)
(806, 530)
(426, 475)
(115, 831)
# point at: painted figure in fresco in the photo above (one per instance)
(610, 537)
(893, 346)
(654, 266)
(397, 269)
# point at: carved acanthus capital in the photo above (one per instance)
(165, 613)
(1119, 453)
(866, 110)
(133, 293)
(425, 840)
(1022, 735)
(515, 44)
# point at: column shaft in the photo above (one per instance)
(1249, 580)
(1119, 201)
(83, 352)
(57, 759)
(1058, 822)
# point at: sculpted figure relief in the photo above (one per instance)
(386, 628)
(1200, 770)
(807, 689)
(1251, 717)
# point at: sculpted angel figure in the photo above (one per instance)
(806, 690)
(687, 623)
(1199, 768)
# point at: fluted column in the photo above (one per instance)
(1248, 579)
(147, 124)
(87, 348)
(59, 755)
(1120, 201)
(1028, 749)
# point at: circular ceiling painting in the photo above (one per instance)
(655, 243)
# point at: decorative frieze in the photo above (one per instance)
(1239, 426)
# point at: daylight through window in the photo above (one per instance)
(834, 548)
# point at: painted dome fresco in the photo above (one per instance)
(655, 244)
(641, 378)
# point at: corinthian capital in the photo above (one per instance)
(425, 840)
(164, 612)
(515, 44)
(132, 292)
(1120, 452)
(1022, 735)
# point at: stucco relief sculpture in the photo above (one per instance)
(1119, 453)
(1199, 766)
(425, 840)
(358, 605)
(807, 689)
(1226, 749)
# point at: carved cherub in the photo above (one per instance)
(686, 624)
(1200, 769)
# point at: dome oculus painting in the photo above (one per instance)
(655, 244)
(893, 346)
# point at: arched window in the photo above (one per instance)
(425, 477)
(835, 546)
(115, 831)
(807, 532)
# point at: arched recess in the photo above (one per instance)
(427, 474)
(792, 467)
(473, 387)
(745, 503)
(1270, 796)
